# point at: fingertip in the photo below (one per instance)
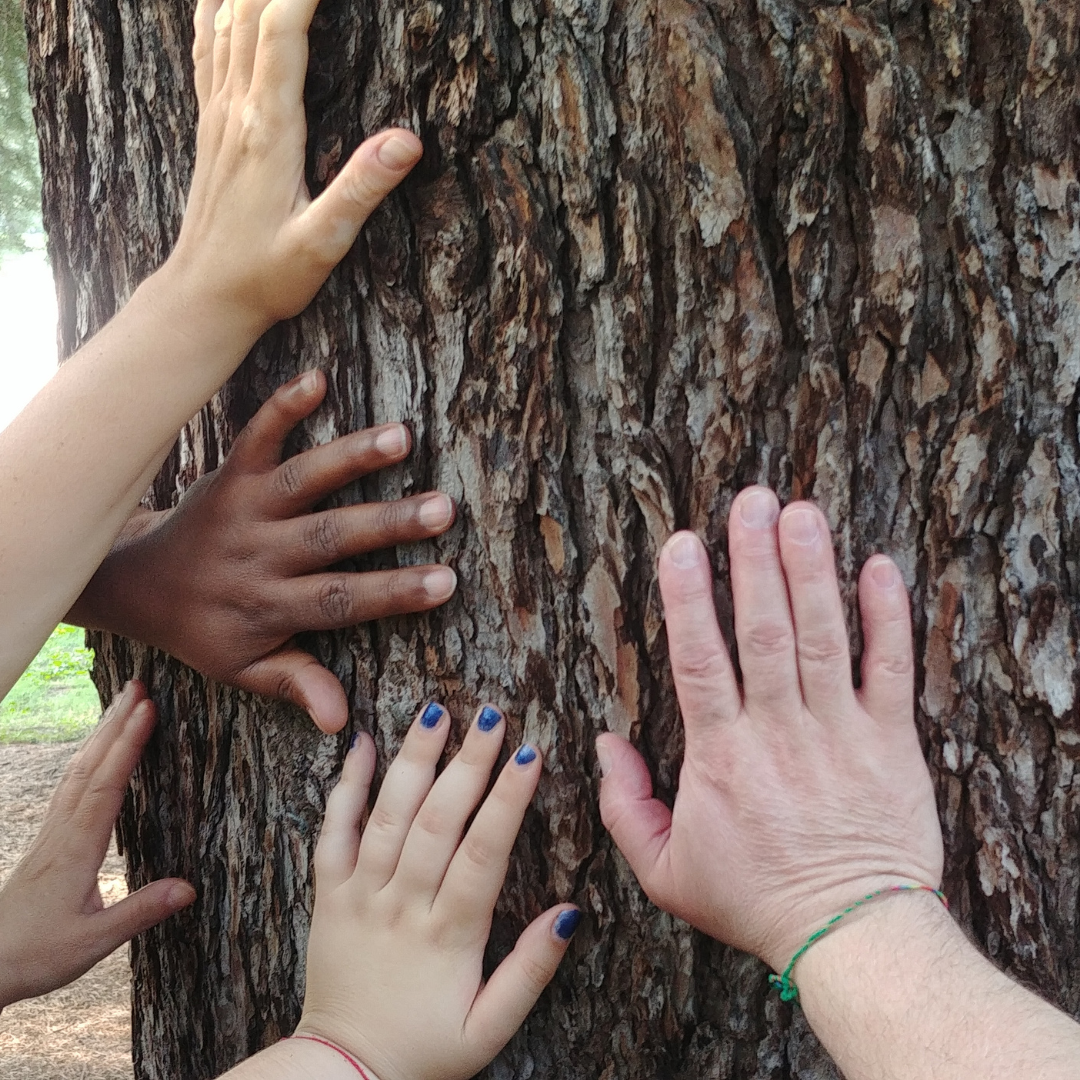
(488, 717)
(755, 508)
(397, 149)
(683, 551)
(393, 442)
(181, 894)
(430, 716)
(527, 755)
(882, 573)
(565, 924)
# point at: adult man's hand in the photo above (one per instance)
(226, 579)
(798, 794)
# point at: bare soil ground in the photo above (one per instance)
(82, 1032)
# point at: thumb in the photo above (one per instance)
(332, 222)
(138, 912)
(502, 1005)
(639, 824)
(290, 674)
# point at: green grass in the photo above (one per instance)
(54, 701)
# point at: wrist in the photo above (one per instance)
(899, 938)
(330, 1048)
(182, 296)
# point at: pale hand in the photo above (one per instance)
(402, 915)
(225, 580)
(798, 794)
(53, 924)
(253, 242)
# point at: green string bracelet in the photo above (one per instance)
(788, 990)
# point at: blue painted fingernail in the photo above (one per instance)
(526, 755)
(354, 740)
(489, 718)
(566, 923)
(431, 716)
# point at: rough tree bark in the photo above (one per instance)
(657, 250)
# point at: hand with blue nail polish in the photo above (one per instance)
(403, 910)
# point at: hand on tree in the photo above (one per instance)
(226, 579)
(253, 241)
(798, 794)
(403, 913)
(54, 926)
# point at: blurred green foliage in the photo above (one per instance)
(20, 170)
(54, 701)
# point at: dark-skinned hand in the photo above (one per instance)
(226, 580)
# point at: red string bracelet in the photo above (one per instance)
(344, 1053)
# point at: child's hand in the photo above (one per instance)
(225, 580)
(402, 915)
(798, 795)
(253, 243)
(53, 924)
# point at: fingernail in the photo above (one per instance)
(801, 526)
(885, 574)
(603, 759)
(393, 441)
(180, 895)
(354, 740)
(435, 512)
(684, 550)
(566, 922)
(525, 756)
(431, 716)
(309, 382)
(398, 152)
(488, 719)
(440, 584)
(758, 509)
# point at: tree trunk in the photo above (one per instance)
(657, 250)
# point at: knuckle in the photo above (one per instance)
(273, 22)
(284, 686)
(769, 637)
(381, 820)
(535, 974)
(695, 666)
(478, 853)
(247, 11)
(325, 538)
(826, 651)
(895, 665)
(430, 822)
(334, 600)
(290, 478)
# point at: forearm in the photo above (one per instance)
(83, 452)
(900, 992)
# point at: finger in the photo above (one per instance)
(332, 601)
(404, 788)
(245, 39)
(639, 824)
(328, 228)
(80, 769)
(281, 60)
(339, 841)
(821, 641)
(888, 663)
(223, 19)
(304, 480)
(290, 674)
(436, 831)
(704, 678)
(202, 52)
(259, 446)
(106, 784)
(138, 912)
(763, 625)
(476, 873)
(514, 987)
(320, 540)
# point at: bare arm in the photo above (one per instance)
(254, 248)
(901, 992)
(799, 795)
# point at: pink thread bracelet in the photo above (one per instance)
(337, 1049)
(784, 983)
